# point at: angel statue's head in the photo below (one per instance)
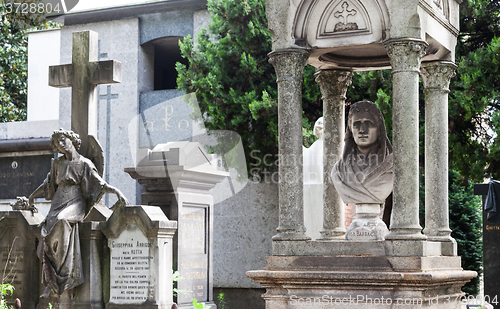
(55, 140)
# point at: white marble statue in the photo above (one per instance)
(313, 183)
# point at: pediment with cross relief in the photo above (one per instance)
(333, 23)
(344, 18)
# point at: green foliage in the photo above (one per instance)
(474, 105)
(234, 83)
(198, 305)
(14, 60)
(5, 290)
(221, 301)
(466, 223)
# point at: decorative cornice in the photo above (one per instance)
(405, 54)
(437, 75)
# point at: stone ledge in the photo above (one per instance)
(356, 263)
(318, 248)
(401, 248)
(362, 289)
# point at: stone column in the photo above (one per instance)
(289, 65)
(333, 85)
(405, 56)
(436, 77)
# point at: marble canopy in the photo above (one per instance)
(350, 34)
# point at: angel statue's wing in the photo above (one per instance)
(96, 154)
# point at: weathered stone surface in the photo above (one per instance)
(83, 75)
(405, 59)
(436, 77)
(333, 85)
(361, 281)
(289, 66)
(19, 264)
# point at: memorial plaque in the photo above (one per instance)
(130, 280)
(140, 239)
(20, 176)
(193, 253)
(491, 263)
(491, 251)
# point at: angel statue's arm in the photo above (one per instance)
(122, 201)
(36, 193)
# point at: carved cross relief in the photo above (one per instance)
(344, 14)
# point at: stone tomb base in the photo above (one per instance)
(362, 281)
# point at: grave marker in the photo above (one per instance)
(83, 75)
(140, 240)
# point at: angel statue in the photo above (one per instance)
(73, 185)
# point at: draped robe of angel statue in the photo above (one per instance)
(73, 186)
(364, 173)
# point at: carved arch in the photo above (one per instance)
(334, 23)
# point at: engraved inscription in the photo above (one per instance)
(130, 279)
(193, 261)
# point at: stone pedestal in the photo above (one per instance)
(177, 178)
(362, 282)
(19, 237)
(367, 225)
(140, 240)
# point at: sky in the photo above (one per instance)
(85, 5)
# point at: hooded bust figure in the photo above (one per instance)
(364, 173)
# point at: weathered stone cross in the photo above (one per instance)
(83, 75)
(345, 11)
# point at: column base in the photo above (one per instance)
(406, 234)
(334, 234)
(417, 248)
(448, 244)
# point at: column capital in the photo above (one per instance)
(333, 83)
(405, 54)
(289, 64)
(436, 75)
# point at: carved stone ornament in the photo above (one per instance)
(289, 64)
(406, 54)
(341, 16)
(437, 75)
(333, 83)
(345, 25)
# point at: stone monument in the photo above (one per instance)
(177, 177)
(140, 240)
(313, 182)
(409, 269)
(363, 175)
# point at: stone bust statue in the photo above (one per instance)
(364, 173)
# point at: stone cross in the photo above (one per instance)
(345, 11)
(83, 75)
